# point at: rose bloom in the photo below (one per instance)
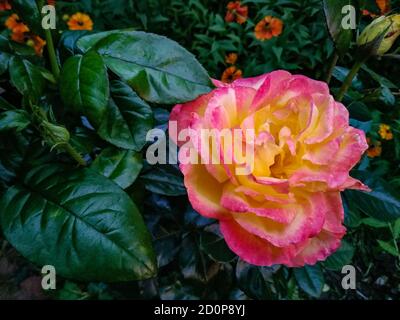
(288, 209)
(268, 27)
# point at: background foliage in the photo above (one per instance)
(192, 258)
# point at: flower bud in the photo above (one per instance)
(386, 26)
(54, 135)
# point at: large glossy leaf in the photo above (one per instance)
(157, 68)
(14, 119)
(194, 265)
(255, 281)
(68, 40)
(84, 86)
(310, 279)
(214, 245)
(165, 180)
(333, 13)
(29, 13)
(382, 203)
(80, 222)
(120, 166)
(27, 78)
(341, 257)
(127, 120)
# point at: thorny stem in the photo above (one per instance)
(334, 61)
(349, 79)
(41, 117)
(74, 154)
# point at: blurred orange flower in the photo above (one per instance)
(80, 21)
(5, 5)
(369, 14)
(36, 43)
(231, 74)
(236, 12)
(231, 58)
(375, 149)
(383, 5)
(268, 27)
(51, 2)
(385, 132)
(20, 37)
(15, 24)
(21, 34)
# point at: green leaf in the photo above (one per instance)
(68, 40)
(255, 281)
(165, 180)
(5, 105)
(384, 82)
(382, 203)
(120, 166)
(157, 68)
(29, 13)
(374, 223)
(214, 245)
(128, 118)
(14, 119)
(4, 60)
(333, 14)
(80, 222)
(193, 263)
(396, 229)
(27, 78)
(310, 279)
(389, 248)
(84, 86)
(341, 257)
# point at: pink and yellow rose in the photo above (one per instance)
(288, 210)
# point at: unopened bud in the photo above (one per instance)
(387, 27)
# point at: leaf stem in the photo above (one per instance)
(349, 79)
(332, 66)
(50, 46)
(74, 154)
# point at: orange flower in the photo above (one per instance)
(36, 43)
(20, 37)
(375, 149)
(383, 5)
(231, 74)
(80, 21)
(15, 24)
(231, 58)
(369, 14)
(385, 132)
(4, 5)
(268, 27)
(236, 12)
(51, 2)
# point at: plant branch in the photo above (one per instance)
(332, 66)
(74, 154)
(50, 46)
(349, 79)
